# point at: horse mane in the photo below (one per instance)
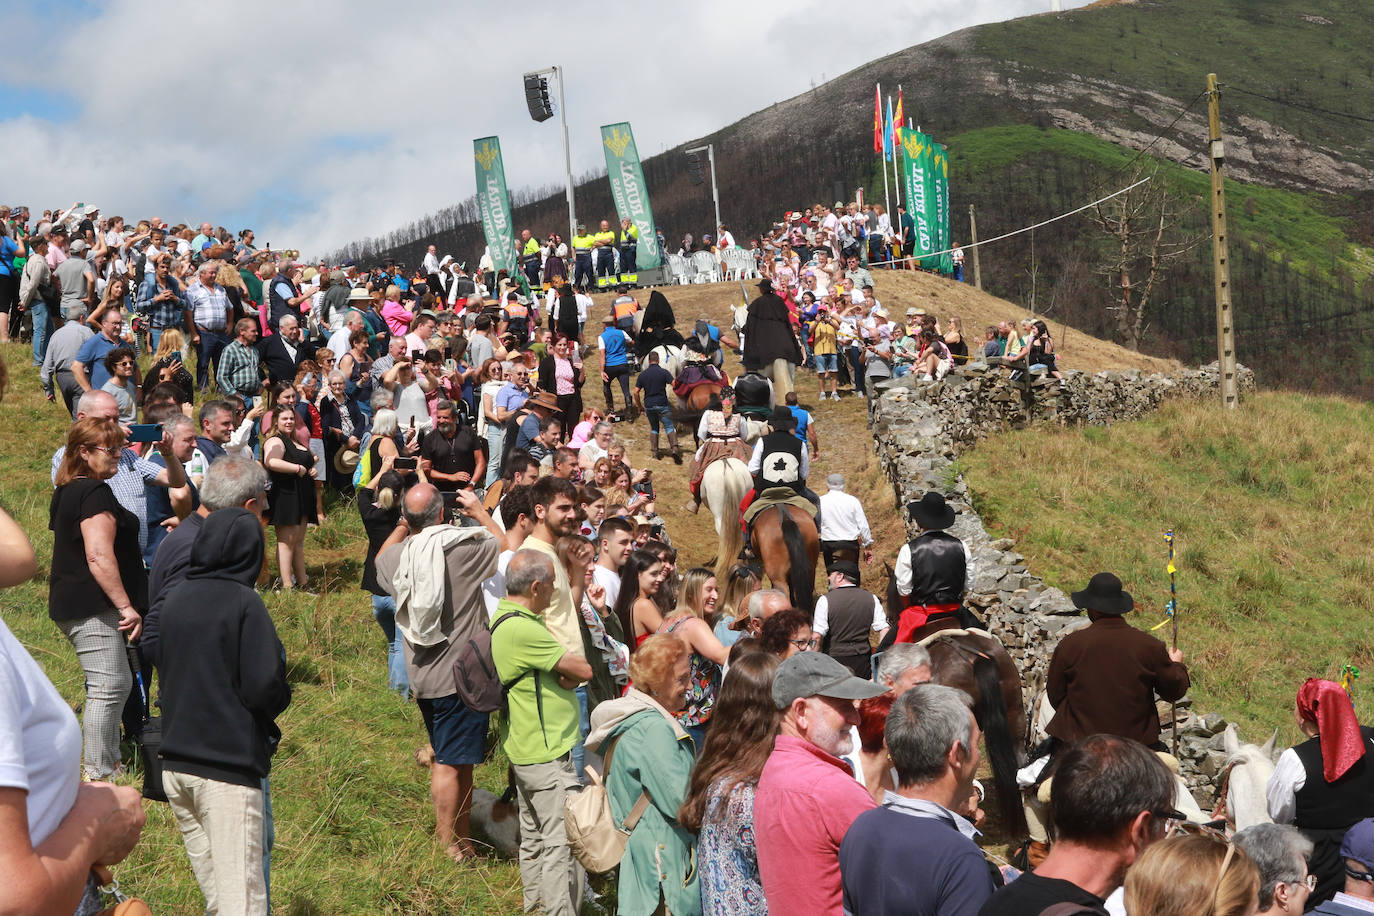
(800, 587)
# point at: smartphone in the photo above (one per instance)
(405, 464)
(450, 364)
(145, 432)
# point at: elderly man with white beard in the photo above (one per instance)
(807, 797)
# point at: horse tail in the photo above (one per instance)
(991, 712)
(731, 539)
(800, 585)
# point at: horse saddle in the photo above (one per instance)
(775, 496)
(692, 377)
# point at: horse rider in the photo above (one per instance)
(658, 326)
(754, 392)
(604, 243)
(932, 569)
(582, 243)
(722, 433)
(769, 340)
(706, 345)
(1103, 679)
(531, 258)
(629, 245)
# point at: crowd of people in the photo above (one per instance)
(780, 758)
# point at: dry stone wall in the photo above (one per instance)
(920, 428)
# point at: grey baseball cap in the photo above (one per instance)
(814, 674)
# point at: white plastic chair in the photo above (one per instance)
(677, 267)
(706, 266)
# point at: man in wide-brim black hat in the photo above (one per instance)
(932, 569)
(1103, 679)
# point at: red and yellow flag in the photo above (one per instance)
(898, 121)
(877, 120)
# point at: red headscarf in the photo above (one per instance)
(1327, 704)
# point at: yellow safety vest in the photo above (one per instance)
(631, 236)
(607, 237)
(532, 247)
(582, 244)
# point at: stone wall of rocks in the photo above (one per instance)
(919, 429)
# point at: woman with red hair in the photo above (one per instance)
(1326, 784)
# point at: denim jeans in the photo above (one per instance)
(660, 415)
(42, 328)
(212, 343)
(496, 437)
(384, 609)
(579, 751)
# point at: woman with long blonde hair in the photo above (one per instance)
(168, 366)
(688, 622)
(1193, 875)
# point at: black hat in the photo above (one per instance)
(1104, 595)
(931, 511)
(847, 568)
(766, 285)
(782, 418)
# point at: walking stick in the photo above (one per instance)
(1172, 608)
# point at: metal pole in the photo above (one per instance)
(567, 157)
(1221, 262)
(973, 240)
(715, 191)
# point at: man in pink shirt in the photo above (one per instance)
(807, 797)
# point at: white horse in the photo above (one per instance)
(739, 314)
(1248, 768)
(669, 357)
(723, 486)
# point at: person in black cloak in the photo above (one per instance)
(769, 341)
(658, 325)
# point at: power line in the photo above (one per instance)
(1149, 146)
(1007, 235)
(1315, 109)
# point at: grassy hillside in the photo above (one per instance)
(352, 809)
(1271, 508)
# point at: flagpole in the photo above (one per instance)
(897, 154)
(887, 132)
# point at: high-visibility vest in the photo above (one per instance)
(515, 310)
(531, 247)
(624, 308)
(582, 244)
(630, 235)
(607, 237)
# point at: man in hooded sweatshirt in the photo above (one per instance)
(223, 674)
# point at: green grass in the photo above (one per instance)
(353, 820)
(1295, 225)
(1264, 46)
(1273, 519)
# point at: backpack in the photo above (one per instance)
(596, 840)
(363, 472)
(474, 672)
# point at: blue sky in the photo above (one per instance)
(321, 123)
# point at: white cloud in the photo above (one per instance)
(322, 123)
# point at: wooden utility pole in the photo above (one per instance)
(973, 241)
(1221, 260)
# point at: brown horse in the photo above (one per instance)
(980, 667)
(785, 540)
(691, 407)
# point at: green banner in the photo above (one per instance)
(916, 168)
(630, 193)
(941, 175)
(494, 203)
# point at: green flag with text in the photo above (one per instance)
(916, 167)
(940, 172)
(494, 203)
(629, 191)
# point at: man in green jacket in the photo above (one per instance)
(541, 727)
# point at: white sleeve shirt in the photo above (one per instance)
(902, 571)
(820, 625)
(1282, 791)
(843, 519)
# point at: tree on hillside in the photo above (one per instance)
(1144, 240)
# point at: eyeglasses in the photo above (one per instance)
(807, 645)
(1310, 882)
(111, 449)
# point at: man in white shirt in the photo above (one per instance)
(617, 539)
(844, 617)
(844, 526)
(339, 340)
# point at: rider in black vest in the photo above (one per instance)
(849, 616)
(932, 569)
(780, 459)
